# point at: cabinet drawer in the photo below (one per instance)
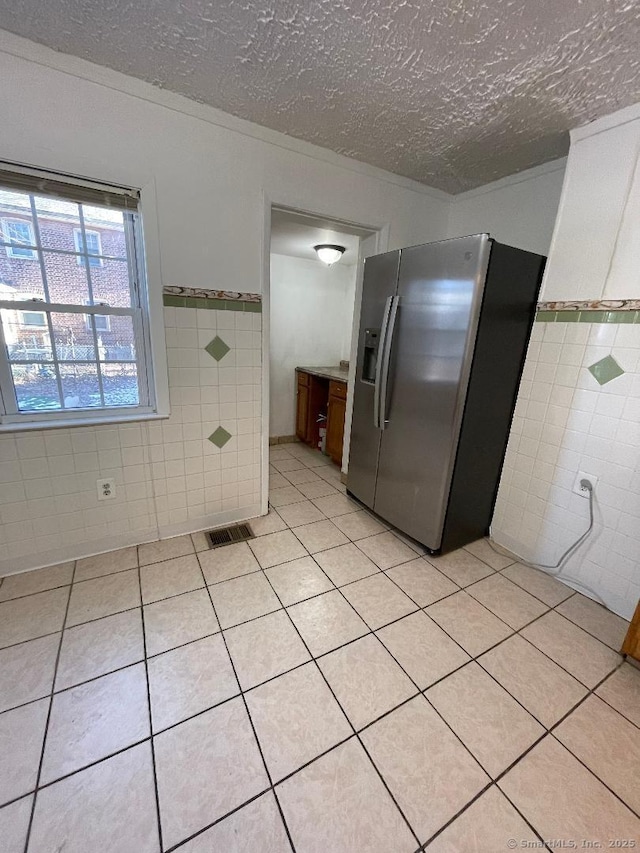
(338, 389)
(303, 378)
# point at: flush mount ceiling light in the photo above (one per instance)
(329, 253)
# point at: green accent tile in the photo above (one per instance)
(234, 305)
(605, 370)
(593, 316)
(568, 317)
(627, 317)
(253, 307)
(170, 301)
(546, 316)
(215, 304)
(199, 302)
(220, 437)
(217, 348)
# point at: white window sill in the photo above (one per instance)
(82, 422)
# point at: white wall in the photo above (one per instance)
(206, 178)
(519, 210)
(565, 422)
(311, 319)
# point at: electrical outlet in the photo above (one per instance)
(106, 489)
(577, 488)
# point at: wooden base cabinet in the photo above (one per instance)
(336, 409)
(302, 407)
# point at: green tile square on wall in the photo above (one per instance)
(605, 370)
(220, 437)
(217, 348)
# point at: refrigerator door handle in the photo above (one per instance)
(377, 420)
(386, 360)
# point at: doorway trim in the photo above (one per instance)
(381, 230)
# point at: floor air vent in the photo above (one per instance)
(229, 535)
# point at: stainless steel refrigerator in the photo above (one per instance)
(443, 334)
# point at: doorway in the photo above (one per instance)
(310, 329)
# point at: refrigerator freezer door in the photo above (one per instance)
(440, 288)
(379, 285)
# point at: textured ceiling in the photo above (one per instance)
(296, 234)
(453, 93)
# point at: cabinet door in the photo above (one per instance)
(302, 411)
(335, 428)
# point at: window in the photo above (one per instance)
(74, 342)
(94, 247)
(34, 318)
(17, 236)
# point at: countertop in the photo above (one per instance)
(335, 373)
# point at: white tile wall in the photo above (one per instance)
(169, 477)
(565, 422)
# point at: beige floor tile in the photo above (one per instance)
(269, 523)
(385, 549)
(586, 658)
(264, 648)
(21, 736)
(188, 680)
(422, 582)
(99, 647)
(200, 541)
(230, 561)
(509, 602)
(485, 717)
(366, 680)
(103, 597)
(276, 548)
(422, 649)
(164, 549)
(564, 801)
(244, 598)
(358, 525)
(33, 616)
(429, 772)
(301, 475)
(284, 496)
(255, 828)
(26, 671)
(277, 454)
(317, 490)
(608, 744)
(538, 583)
(171, 577)
(296, 719)
(39, 580)
(545, 690)
(595, 619)
(278, 480)
(622, 690)
(486, 826)
(326, 622)
(317, 461)
(469, 623)
(94, 720)
(320, 535)
(286, 465)
(106, 564)
(378, 600)
(206, 767)
(110, 806)
(14, 822)
(298, 580)
(339, 804)
(178, 620)
(345, 564)
(335, 505)
(301, 513)
(461, 567)
(483, 551)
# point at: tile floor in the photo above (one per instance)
(324, 688)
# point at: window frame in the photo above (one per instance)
(42, 314)
(145, 313)
(30, 247)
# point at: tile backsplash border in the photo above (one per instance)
(174, 296)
